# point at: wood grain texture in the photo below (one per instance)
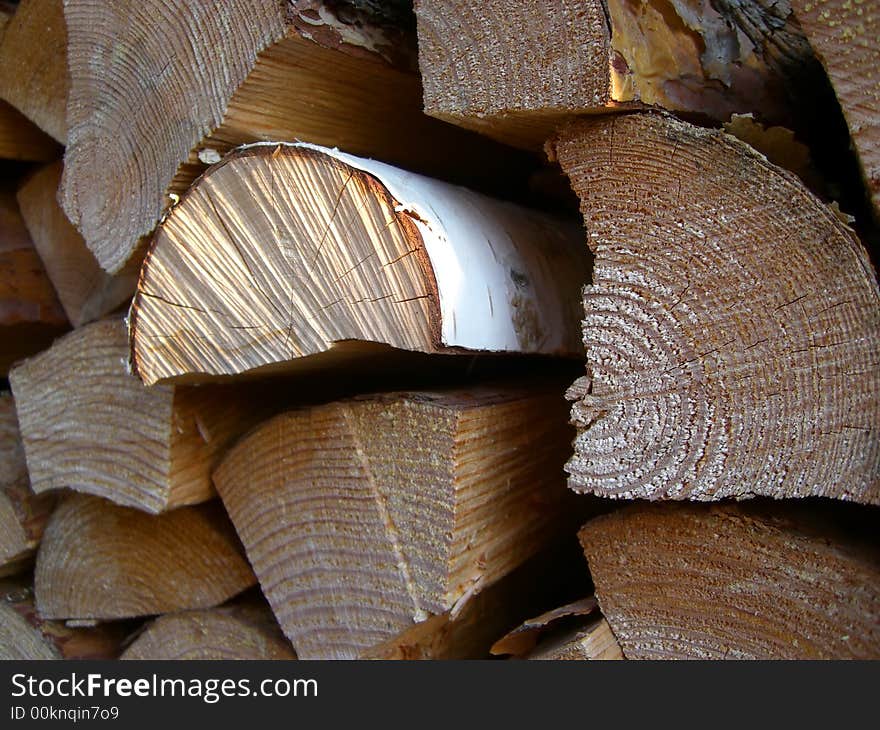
(91, 426)
(102, 561)
(284, 252)
(26, 635)
(33, 59)
(23, 515)
(240, 631)
(736, 581)
(731, 328)
(362, 516)
(230, 73)
(517, 71)
(30, 313)
(84, 289)
(843, 34)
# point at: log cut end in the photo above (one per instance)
(285, 251)
(363, 516)
(732, 329)
(101, 561)
(715, 582)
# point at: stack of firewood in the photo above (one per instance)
(296, 313)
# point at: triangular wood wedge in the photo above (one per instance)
(285, 251)
(362, 516)
(241, 630)
(102, 561)
(741, 582)
(90, 426)
(178, 83)
(732, 328)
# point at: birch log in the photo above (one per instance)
(90, 426)
(84, 289)
(287, 251)
(732, 328)
(738, 582)
(102, 561)
(362, 516)
(180, 83)
(516, 71)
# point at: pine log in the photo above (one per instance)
(89, 425)
(85, 290)
(469, 631)
(180, 83)
(24, 635)
(241, 630)
(571, 632)
(286, 251)
(732, 329)
(516, 72)
(33, 59)
(30, 314)
(757, 582)
(363, 516)
(843, 33)
(101, 561)
(23, 514)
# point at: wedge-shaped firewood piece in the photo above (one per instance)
(33, 59)
(178, 82)
(843, 34)
(515, 72)
(573, 631)
(361, 516)
(85, 290)
(30, 314)
(284, 251)
(22, 140)
(102, 561)
(242, 630)
(468, 631)
(23, 514)
(732, 328)
(764, 581)
(89, 425)
(25, 635)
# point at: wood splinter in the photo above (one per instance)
(281, 252)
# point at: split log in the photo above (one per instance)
(30, 314)
(469, 631)
(242, 630)
(714, 582)
(286, 251)
(517, 72)
(844, 36)
(24, 635)
(33, 59)
(101, 561)
(574, 631)
(23, 515)
(85, 290)
(228, 74)
(89, 425)
(732, 329)
(362, 516)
